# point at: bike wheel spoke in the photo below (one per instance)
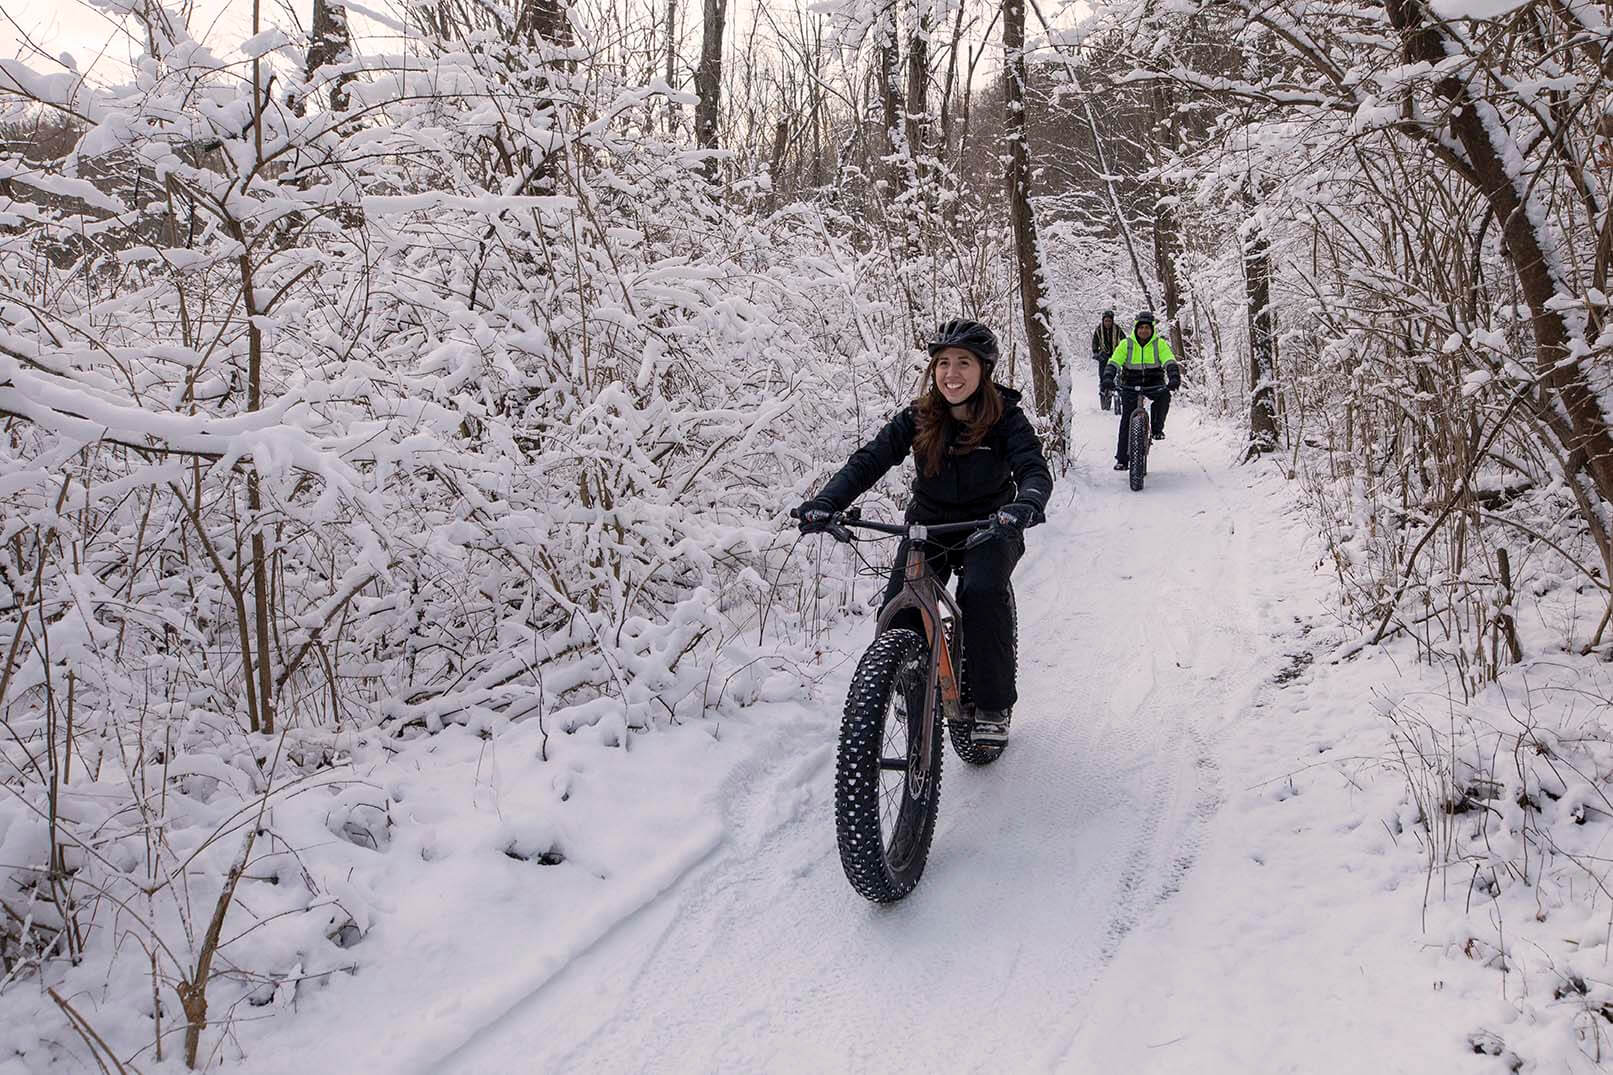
(893, 764)
(890, 807)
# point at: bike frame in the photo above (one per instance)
(922, 592)
(1146, 398)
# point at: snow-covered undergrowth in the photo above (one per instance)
(373, 480)
(1456, 851)
(1507, 798)
(1488, 756)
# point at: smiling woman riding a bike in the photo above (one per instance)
(976, 456)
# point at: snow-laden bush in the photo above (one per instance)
(1508, 797)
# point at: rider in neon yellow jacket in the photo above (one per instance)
(1142, 364)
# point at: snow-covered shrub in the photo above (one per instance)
(1509, 797)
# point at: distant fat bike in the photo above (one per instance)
(1108, 399)
(1140, 434)
(888, 768)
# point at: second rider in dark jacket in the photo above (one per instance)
(975, 454)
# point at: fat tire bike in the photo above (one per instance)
(1139, 435)
(888, 766)
(1109, 400)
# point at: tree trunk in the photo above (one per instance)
(915, 133)
(261, 592)
(917, 123)
(1167, 233)
(951, 81)
(708, 79)
(1166, 248)
(818, 171)
(674, 110)
(775, 170)
(1032, 281)
(332, 42)
(545, 19)
(1262, 381)
(890, 100)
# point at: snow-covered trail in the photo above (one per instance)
(1145, 633)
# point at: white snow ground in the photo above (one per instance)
(1180, 864)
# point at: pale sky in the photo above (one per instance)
(97, 44)
(58, 26)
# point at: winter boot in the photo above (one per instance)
(990, 727)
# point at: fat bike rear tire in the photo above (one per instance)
(885, 815)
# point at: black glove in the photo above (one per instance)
(1106, 379)
(1173, 377)
(1018, 515)
(815, 514)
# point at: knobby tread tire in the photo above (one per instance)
(958, 733)
(1137, 444)
(870, 865)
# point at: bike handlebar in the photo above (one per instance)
(840, 520)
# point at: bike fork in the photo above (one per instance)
(943, 682)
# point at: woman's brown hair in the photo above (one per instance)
(935, 421)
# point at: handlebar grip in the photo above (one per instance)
(795, 513)
(983, 535)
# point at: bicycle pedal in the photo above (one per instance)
(990, 733)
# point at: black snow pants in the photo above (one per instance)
(1128, 404)
(988, 615)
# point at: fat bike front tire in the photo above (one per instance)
(1137, 444)
(885, 798)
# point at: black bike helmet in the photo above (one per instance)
(972, 336)
(1145, 317)
(1109, 312)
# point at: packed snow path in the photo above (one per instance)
(1150, 625)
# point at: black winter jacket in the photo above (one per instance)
(1007, 465)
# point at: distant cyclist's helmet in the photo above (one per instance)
(1145, 317)
(972, 336)
(1109, 314)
